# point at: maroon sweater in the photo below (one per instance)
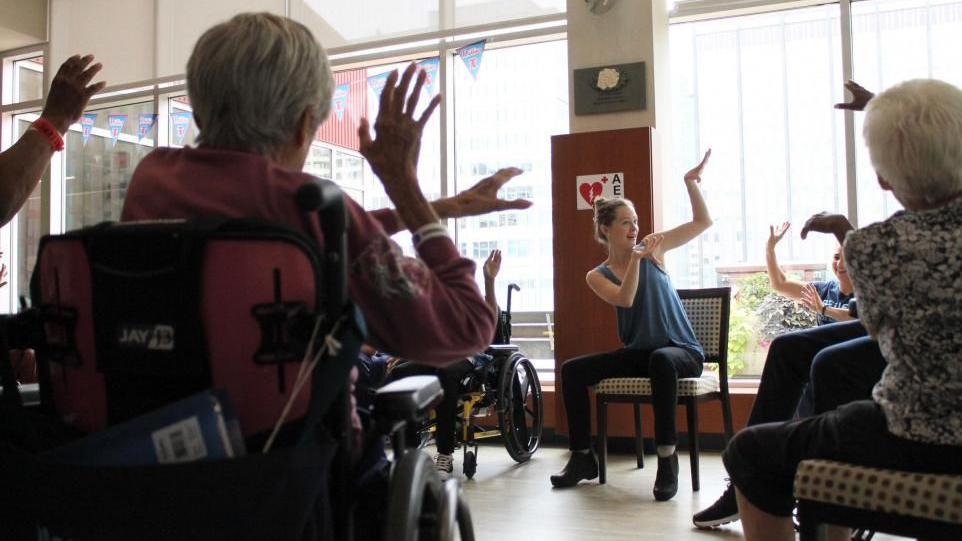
(428, 309)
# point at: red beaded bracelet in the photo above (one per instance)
(47, 130)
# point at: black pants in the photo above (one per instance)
(447, 411)
(762, 460)
(839, 360)
(664, 366)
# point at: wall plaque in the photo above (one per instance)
(607, 89)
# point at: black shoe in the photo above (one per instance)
(666, 481)
(723, 511)
(580, 466)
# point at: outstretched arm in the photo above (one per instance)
(824, 222)
(22, 164)
(860, 97)
(780, 283)
(700, 218)
(492, 266)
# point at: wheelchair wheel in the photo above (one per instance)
(520, 408)
(414, 501)
(470, 464)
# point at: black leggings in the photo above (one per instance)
(664, 366)
(447, 411)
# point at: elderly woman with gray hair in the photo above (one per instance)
(260, 85)
(907, 273)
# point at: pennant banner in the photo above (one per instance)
(339, 103)
(145, 123)
(471, 54)
(115, 123)
(87, 124)
(181, 123)
(376, 82)
(430, 67)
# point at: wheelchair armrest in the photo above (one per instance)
(501, 350)
(406, 399)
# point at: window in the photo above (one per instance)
(894, 41)
(759, 91)
(506, 117)
(28, 79)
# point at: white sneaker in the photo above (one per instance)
(445, 465)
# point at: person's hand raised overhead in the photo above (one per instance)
(70, 91)
(393, 153)
(823, 222)
(860, 97)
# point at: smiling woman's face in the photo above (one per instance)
(623, 232)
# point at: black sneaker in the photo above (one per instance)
(666, 480)
(580, 466)
(723, 511)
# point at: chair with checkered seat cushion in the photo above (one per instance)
(708, 311)
(917, 505)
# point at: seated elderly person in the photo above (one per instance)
(907, 275)
(260, 85)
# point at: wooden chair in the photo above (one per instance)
(708, 311)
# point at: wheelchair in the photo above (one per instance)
(500, 397)
(130, 317)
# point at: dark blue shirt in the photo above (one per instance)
(656, 318)
(832, 297)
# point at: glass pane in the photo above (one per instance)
(759, 91)
(339, 131)
(473, 12)
(97, 171)
(506, 117)
(318, 162)
(28, 77)
(29, 223)
(893, 41)
(336, 24)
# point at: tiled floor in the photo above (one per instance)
(515, 502)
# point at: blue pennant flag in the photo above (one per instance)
(181, 122)
(339, 103)
(115, 123)
(376, 82)
(86, 125)
(471, 54)
(145, 123)
(430, 66)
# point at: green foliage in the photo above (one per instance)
(758, 315)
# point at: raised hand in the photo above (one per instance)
(775, 235)
(811, 300)
(823, 222)
(393, 153)
(860, 97)
(492, 265)
(70, 91)
(648, 247)
(694, 175)
(482, 198)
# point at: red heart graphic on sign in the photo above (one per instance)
(590, 192)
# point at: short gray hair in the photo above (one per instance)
(251, 78)
(914, 136)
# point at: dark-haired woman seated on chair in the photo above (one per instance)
(907, 273)
(658, 339)
(260, 85)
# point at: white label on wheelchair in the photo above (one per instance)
(154, 337)
(179, 442)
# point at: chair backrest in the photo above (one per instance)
(708, 311)
(139, 315)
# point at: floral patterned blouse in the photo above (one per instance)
(907, 273)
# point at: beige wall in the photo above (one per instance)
(23, 22)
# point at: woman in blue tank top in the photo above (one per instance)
(658, 339)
